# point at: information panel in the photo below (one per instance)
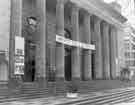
(19, 55)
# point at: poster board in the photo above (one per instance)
(19, 55)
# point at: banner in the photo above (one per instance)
(19, 55)
(66, 41)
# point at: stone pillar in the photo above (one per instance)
(87, 53)
(15, 30)
(41, 41)
(76, 72)
(60, 53)
(98, 49)
(113, 52)
(106, 51)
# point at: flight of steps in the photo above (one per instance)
(30, 90)
(99, 85)
(27, 91)
(33, 90)
(92, 86)
(103, 99)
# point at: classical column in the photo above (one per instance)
(60, 53)
(15, 30)
(87, 53)
(113, 52)
(41, 41)
(76, 72)
(98, 49)
(106, 51)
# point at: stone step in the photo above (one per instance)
(117, 100)
(98, 98)
(122, 100)
(110, 101)
(26, 97)
(94, 85)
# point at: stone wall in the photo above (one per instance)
(4, 38)
(5, 24)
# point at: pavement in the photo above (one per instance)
(60, 99)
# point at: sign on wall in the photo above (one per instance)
(66, 41)
(19, 55)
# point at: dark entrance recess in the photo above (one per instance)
(93, 64)
(29, 75)
(68, 74)
(30, 49)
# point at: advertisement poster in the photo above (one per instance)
(19, 55)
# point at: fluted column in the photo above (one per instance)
(60, 53)
(41, 43)
(87, 53)
(106, 51)
(98, 51)
(15, 30)
(76, 73)
(113, 52)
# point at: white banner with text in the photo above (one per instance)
(66, 41)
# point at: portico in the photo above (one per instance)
(101, 36)
(91, 38)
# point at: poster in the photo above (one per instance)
(19, 55)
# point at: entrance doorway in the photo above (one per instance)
(68, 57)
(30, 67)
(67, 63)
(30, 49)
(93, 64)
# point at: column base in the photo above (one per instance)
(15, 82)
(98, 78)
(106, 78)
(59, 79)
(76, 79)
(87, 79)
(41, 81)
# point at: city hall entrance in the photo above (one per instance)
(68, 63)
(68, 57)
(30, 67)
(30, 49)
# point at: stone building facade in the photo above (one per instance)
(84, 21)
(129, 46)
(92, 25)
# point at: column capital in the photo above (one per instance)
(75, 8)
(106, 25)
(97, 20)
(113, 27)
(87, 14)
